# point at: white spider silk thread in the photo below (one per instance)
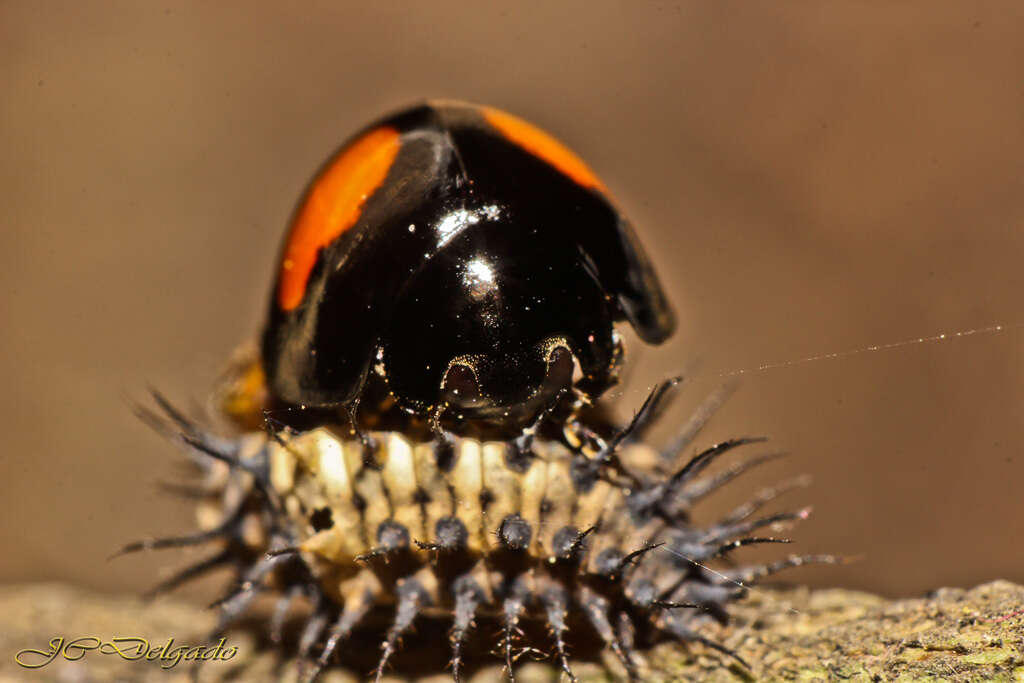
(945, 336)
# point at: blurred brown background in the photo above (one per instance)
(810, 177)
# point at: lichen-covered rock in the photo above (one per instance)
(793, 635)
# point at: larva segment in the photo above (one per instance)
(533, 492)
(282, 468)
(399, 479)
(368, 485)
(502, 490)
(615, 528)
(437, 500)
(312, 466)
(591, 509)
(557, 504)
(468, 481)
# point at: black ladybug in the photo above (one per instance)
(469, 259)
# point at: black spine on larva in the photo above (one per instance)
(392, 545)
(641, 592)
(515, 533)
(584, 472)
(411, 598)
(567, 541)
(519, 454)
(597, 609)
(450, 533)
(392, 536)
(633, 593)
(281, 608)
(607, 562)
(468, 596)
(514, 604)
(314, 627)
(556, 606)
(353, 612)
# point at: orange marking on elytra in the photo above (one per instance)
(333, 205)
(543, 145)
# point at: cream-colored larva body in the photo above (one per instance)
(318, 469)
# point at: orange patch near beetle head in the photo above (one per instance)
(333, 205)
(542, 145)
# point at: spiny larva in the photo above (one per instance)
(483, 539)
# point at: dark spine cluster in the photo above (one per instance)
(637, 574)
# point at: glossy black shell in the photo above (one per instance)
(473, 254)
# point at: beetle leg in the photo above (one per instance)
(369, 443)
(445, 442)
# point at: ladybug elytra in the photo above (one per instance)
(468, 259)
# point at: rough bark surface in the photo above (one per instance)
(801, 635)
